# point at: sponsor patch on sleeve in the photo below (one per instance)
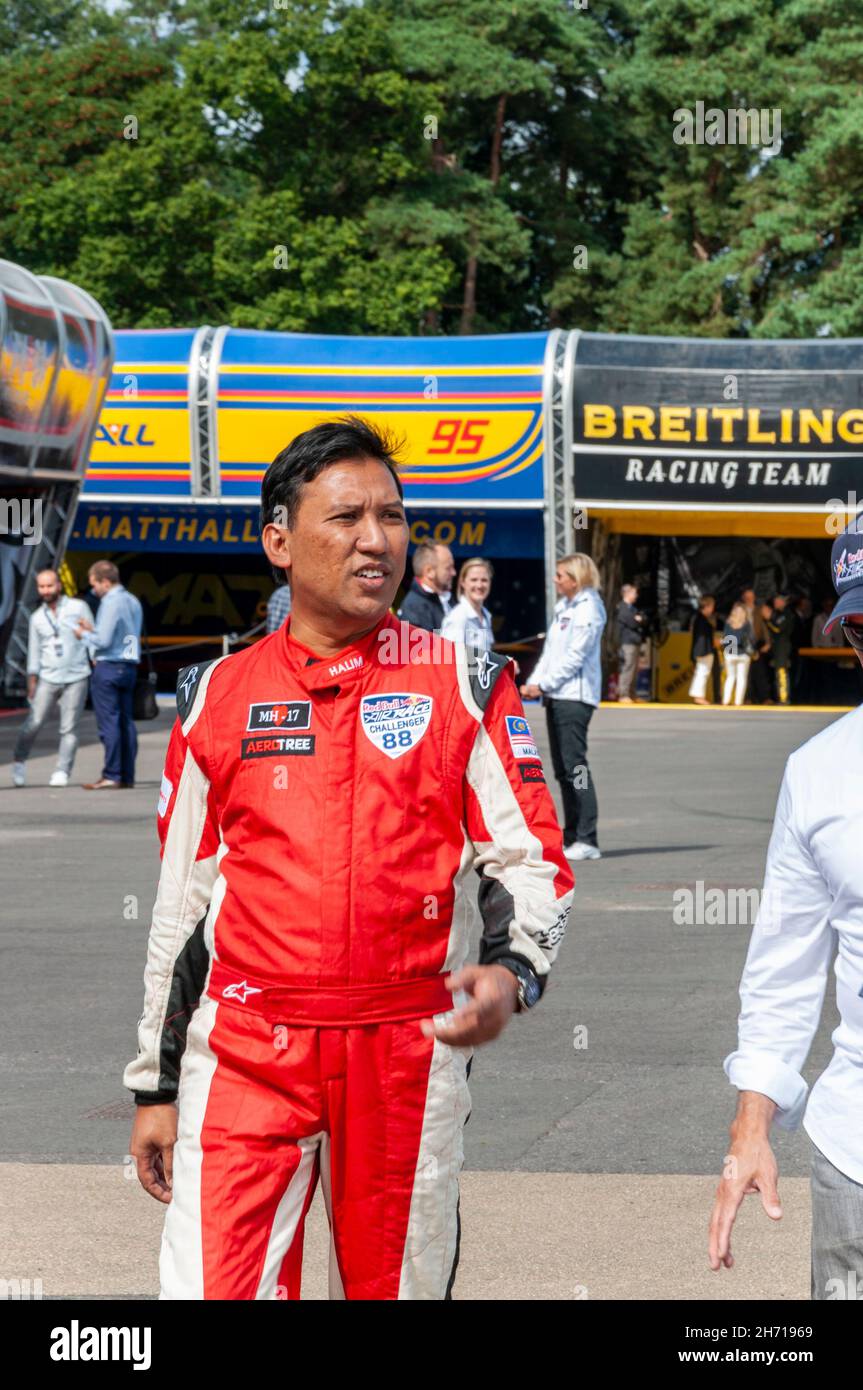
(520, 738)
(531, 772)
(165, 791)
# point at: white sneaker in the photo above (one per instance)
(578, 850)
(19, 775)
(59, 779)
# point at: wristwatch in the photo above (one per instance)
(529, 987)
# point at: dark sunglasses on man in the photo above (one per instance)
(853, 632)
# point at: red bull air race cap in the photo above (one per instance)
(846, 566)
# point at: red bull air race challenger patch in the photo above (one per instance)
(395, 722)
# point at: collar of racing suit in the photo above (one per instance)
(347, 666)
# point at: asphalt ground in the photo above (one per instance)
(599, 1121)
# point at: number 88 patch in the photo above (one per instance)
(395, 722)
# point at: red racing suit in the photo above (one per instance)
(320, 821)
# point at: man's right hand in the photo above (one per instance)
(154, 1135)
(750, 1166)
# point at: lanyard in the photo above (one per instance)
(55, 627)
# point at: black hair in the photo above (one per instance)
(311, 452)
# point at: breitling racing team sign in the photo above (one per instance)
(710, 421)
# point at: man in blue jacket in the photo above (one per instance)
(115, 648)
(428, 600)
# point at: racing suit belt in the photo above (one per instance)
(331, 1006)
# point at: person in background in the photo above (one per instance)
(428, 600)
(278, 607)
(114, 645)
(703, 645)
(630, 629)
(568, 679)
(738, 641)
(801, 636)
(760, 679)
(781, 625)
(820, 638)
(58, 671)
(808, 932)
(468, 620)
(761, 685)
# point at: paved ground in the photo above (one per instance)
(599, 1160)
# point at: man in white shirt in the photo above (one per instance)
(58, 670)
(811, 915)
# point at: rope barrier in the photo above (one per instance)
(178, 644)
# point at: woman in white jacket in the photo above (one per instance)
(468, 621)
(568, 680)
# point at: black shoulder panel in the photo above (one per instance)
(484, 669)
(187, 686)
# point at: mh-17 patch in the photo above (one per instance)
(279, 714)
(395, 722)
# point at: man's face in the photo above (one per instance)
(709, 609)
(100, 587)
(346, 552)
(748, 597)
(444, 572)
(49, 586)
(779, 603)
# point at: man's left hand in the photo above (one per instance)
(493, 994)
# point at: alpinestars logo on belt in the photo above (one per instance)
(240, 991)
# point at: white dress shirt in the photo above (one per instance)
(463, 624)
(54, 653)
(811, 914)
(570, 667)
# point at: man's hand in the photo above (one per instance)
(531, 692)
(749, 1167)
(31, 687)
(493, 994)
(154, 1135)
(84, 625)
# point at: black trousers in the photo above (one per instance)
(761, 680)
(567, 722)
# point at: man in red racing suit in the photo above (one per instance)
(321, 817)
